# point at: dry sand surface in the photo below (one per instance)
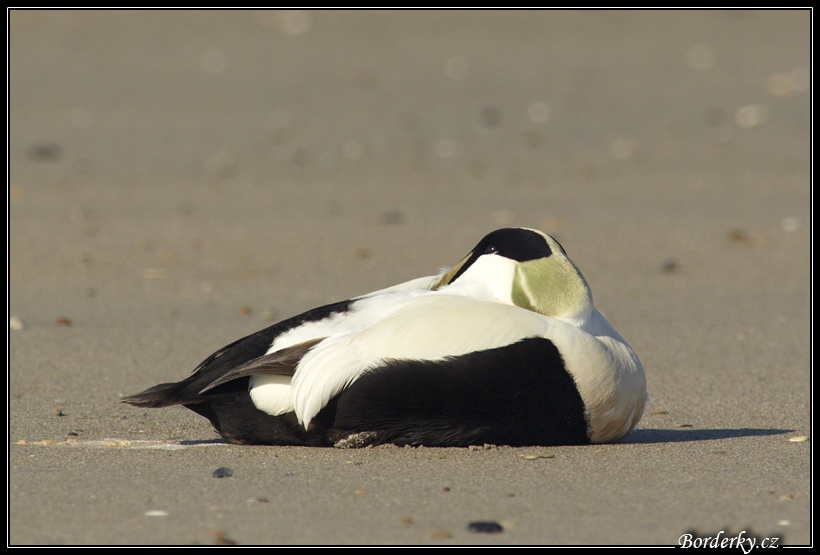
(179, 179)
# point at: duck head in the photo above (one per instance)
(527, 268)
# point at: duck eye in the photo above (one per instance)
(491, 249)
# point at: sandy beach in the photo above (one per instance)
(180, 179)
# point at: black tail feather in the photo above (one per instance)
(162, 395)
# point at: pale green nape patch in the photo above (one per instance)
(551, 286)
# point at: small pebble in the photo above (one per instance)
(670, 266)
(44, 152)
(751, 115)
(442, 534)
(221, 538)
(538, 112)
(798, 439)
(541, 456)
(393, 217)
(63, 321)
(790, 224)
(223, 472)
(485, 527)
(16, 324)
(270, 313)
(490, 116)
(742, 237)
(156, 512)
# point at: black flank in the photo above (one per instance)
(521, 394)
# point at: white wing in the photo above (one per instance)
(272, 393)
(423, 284)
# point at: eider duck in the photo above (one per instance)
(505, 348)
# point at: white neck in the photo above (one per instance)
(489, 277)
